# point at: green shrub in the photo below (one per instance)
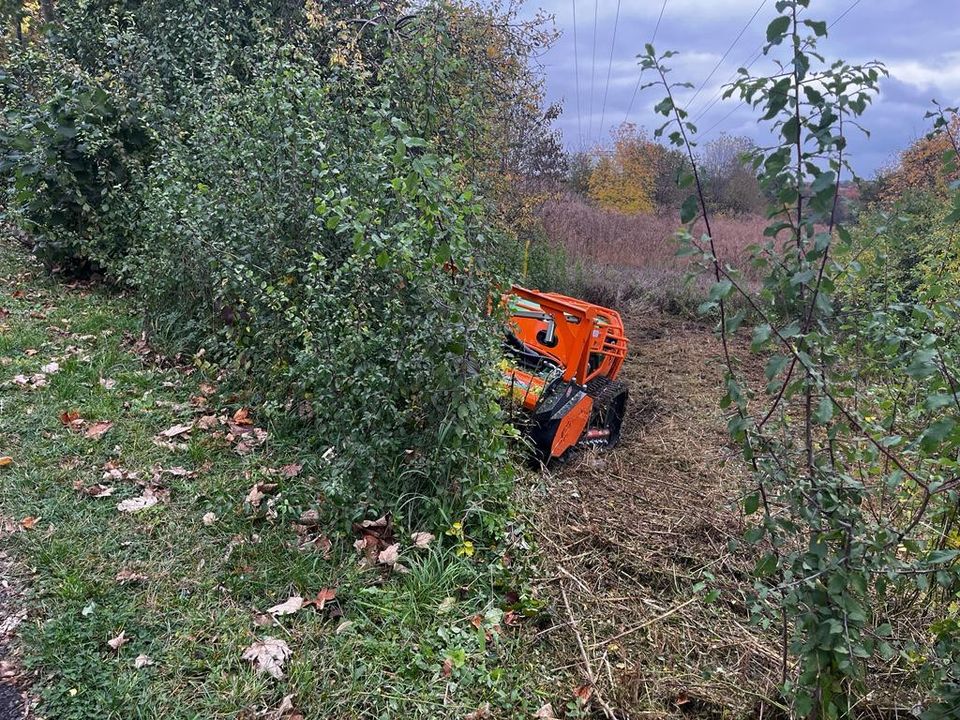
(314, 243)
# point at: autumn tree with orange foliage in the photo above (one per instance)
(624, 180)
(920, 167)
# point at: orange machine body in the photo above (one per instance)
(562, 356)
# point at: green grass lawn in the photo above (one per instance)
(206, 564)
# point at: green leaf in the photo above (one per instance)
(921, 366)
(824, 412)
(819, 27)
(689, 210)
(751, 504)
(767, 565)
(778, 28)
(720, 290)
(937, 433)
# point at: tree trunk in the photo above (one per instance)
(47, 11)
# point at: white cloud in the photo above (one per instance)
(943, 74)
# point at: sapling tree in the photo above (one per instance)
(851, 436)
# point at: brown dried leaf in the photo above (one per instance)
(422, 539)
(292, 605)
(291, 470)
(258, 492)
(70, 418)
(119, 641)
(242, 417)
(389, 555)
(142, 661)
(148, 499)
(177, 430)
(207, 422)
(98, 430)
(29, 522)
(268, 656)
(481, 713)
(309, 518)
(126, 577)
(323, 597)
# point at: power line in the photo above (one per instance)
(713, 127)
(593, 70)
(613, 44)
(576, 70)
(640, 76)
(729, 49)
(719, 95)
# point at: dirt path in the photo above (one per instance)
(633, 532)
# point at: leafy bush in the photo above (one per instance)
(336, 257)
(900, 252)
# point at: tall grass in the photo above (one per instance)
(639, 241)
(613, 257)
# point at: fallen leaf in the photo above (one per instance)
(344, 626)
(242, 417)
(108, 383)
(422, 539)
(29, 522)
(268, 656)
(148, 499)
(142, 661)
(323, 597)
(209, 519)
(390, 554)
(5, 460)
(70, 418)
(292, 605)
(179, 472)
(481, 713)
(177, 430)
(545, 713)
(119, 641)
(584, 692)
(50, 368)
(98, 429)
(291, 470)
(207, 422)
(207, 389)
(258, 492)
(125, 577)
(309, 518)
(447, 667)
(97, 490)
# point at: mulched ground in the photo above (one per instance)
(12, 706)
(629, 534)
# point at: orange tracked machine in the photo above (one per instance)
(561, 362)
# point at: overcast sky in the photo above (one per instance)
(918, 40)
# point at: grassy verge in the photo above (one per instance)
(185, 584)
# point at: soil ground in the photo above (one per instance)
(637, 542)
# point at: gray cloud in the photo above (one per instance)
(919, 40)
